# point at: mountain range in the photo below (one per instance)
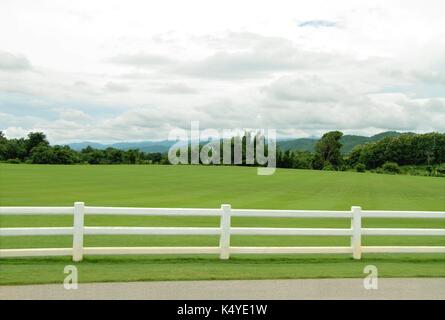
(300, 144)
(348, 141)
(146, 146)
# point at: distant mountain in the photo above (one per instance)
(348, 141)
(302, 144)
(380, 136)
(146, 146)
(81, 145)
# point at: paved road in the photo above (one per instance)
(414, 288)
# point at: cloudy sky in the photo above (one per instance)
(134, 70)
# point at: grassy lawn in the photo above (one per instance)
(207, 187)
(139, 268)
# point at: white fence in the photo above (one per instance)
(225, 230)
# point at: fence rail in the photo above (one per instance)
(224, 231)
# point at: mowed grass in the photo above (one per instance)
(209, 187)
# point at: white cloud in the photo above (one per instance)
(318, 24)
(70, 114)
(177, 88)
(13, 62)
(116, 87)
(118, 70)
(141, 60)
(307, 89)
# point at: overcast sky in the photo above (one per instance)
(134, 70)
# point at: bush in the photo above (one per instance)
(391, 167)
(360, 167)
(15, 160)
(378, 170)
(328, 167)
(441, 170)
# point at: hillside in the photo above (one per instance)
(301, 144)
(146, 146)
(348, 141)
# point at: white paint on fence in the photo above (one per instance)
(224, 231)
(152, 211)
(402, 232)
(356, 228)
(291, 231)
(224, 240)
(78, 225)
(403, 214)
(179, 231)
(51, 231)
(290, 213)
(40, 252)
(36, 210)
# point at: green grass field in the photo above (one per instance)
(209, 187)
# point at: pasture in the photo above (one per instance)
(209, 187)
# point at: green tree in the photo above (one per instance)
(34, 139)
(14, 149)
(327, 150)
(43, 154)
(353, 157)
(302, 160)
(360, 167)
(406, 149)
(64, 155)
(132, 156)
(391, 167)
(113, 155)
(3, 145)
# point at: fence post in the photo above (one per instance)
(356, 238)
(79, 211)
(224, 240)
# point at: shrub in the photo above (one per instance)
(15, 160)
(379, 170)
(328, 167)
(360, 167)
(391, 167)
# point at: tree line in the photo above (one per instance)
(424, 151)
(387, 154)
(35, 148)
